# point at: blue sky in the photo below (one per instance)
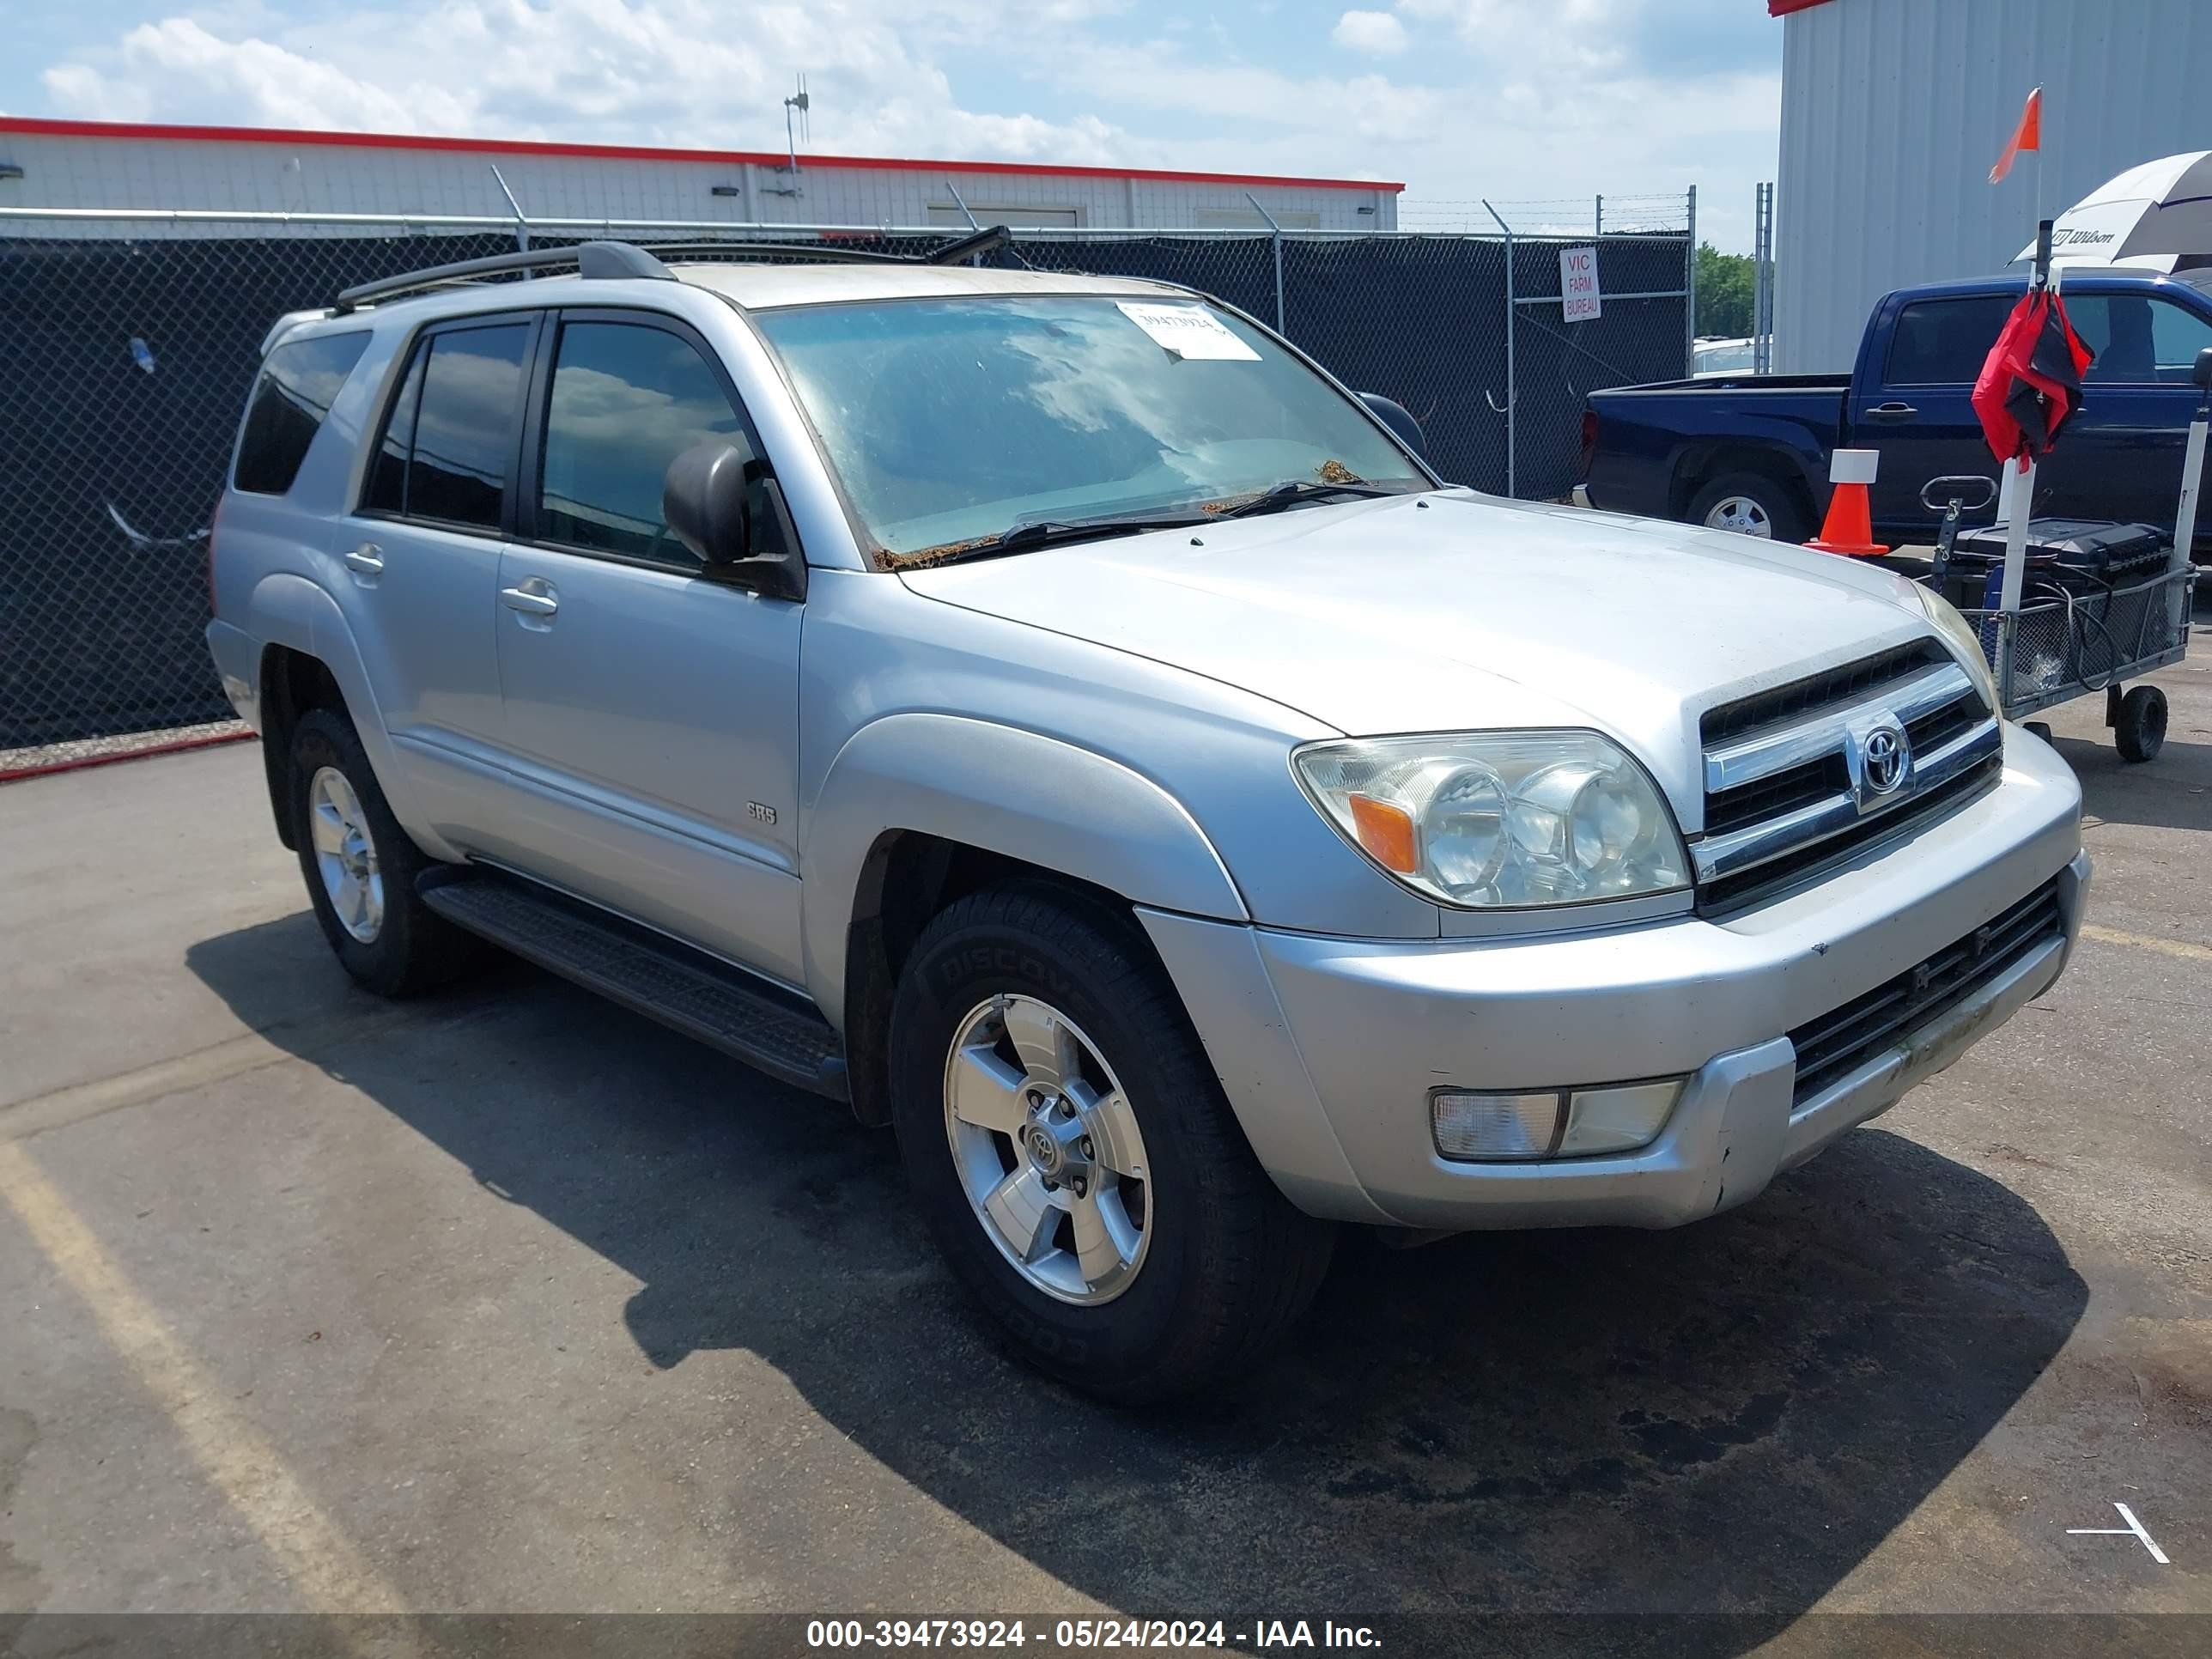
(1513, 100)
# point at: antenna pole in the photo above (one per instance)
(794, 108)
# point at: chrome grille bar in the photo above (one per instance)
(1762, 754)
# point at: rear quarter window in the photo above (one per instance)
(298, 385)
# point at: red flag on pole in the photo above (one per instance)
(2028, 135)
(2032, 381)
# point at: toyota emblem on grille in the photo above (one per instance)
(1884, 759)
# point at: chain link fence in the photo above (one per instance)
(131, 343)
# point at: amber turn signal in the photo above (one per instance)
(1386, 830)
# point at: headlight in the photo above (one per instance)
(1959, 634)
(1500, 818)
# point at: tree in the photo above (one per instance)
(1726, 288)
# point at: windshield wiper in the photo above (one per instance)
(1033, 533)
(1045, 533)
(1292, 491)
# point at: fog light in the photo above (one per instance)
(1473, 1126)
(1619, 1119)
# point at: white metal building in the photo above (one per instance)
(1892, 112)
(117, 166)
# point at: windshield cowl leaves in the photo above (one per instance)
(1293, 491)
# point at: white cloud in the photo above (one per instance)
(1587, 34)
(669, 71)
(1378, 33)
(177, 62)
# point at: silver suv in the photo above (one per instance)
(1052, 716)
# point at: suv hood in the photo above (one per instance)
(1456, 611)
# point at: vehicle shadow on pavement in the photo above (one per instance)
(2173, 792)
(1721, 1420)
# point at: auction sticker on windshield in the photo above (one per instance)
(1189, 331)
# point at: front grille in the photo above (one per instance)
(1952, 719)
(1729, 810)
(1725, 894)
(1800, 697)
(1841, 1040)
(1787, 789)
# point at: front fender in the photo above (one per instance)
(288, 610)
(1006, 790)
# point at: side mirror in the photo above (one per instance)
(2203, 372)
(710, 496)
(1400, 419)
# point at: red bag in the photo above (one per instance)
(2032, 380)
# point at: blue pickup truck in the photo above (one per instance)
(1750, 453)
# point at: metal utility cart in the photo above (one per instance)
(2053, 650)
(2069, 640)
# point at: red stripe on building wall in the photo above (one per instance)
(39, 127)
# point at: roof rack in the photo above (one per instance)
(592, 259)
(951, 253)
(610, 260)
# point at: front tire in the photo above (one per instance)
(1068, 1143)
(361, 867)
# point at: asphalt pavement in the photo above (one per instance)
(509, 1302)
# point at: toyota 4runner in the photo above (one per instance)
(1054, 716)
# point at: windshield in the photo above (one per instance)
(949, 422)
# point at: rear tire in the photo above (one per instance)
(1750, 504)
(361, 867)
(1214, 1263)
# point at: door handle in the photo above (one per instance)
(1891, 414)
(367, 560)
(534, 598)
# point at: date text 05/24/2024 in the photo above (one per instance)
(1070, 1634)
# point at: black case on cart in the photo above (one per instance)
(2075, 562)
(2093, 547)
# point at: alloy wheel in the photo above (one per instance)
(1048, 1149)
(345, 854)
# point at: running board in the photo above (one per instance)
(687, 990)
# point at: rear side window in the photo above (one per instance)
(1943, 342)
(453, 428)
(297, 387)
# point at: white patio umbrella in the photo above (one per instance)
(2157, 216)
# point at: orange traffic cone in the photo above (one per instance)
(1849, 527)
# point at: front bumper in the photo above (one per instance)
(1327, 1048)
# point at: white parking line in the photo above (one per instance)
(331, 1575)
(2165, 947)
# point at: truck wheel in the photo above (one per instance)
(1068, 1144)
(1750, 504)
(361, 867)
(2140, 732)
